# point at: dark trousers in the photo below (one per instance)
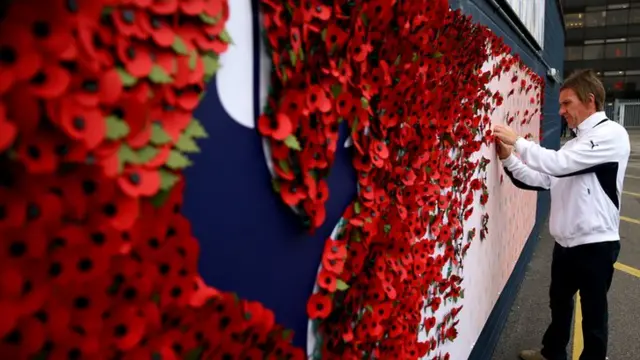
(588, 268)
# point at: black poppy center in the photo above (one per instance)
(41, 29)
(39, 78)
(17, 248)
(33, 212)
(81, 302)
(89, 187)
(134, 178)
(78, 123)
(8, 55)
(110, 210)
(33, 152)
(98, 238)
(128, 16)
(90, 86)
(14, 337)
(85, 265)
(120, 331)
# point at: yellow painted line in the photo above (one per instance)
(627, 269)
(628, 219)
(631, 193)
(577, 330)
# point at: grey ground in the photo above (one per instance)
(530, 313)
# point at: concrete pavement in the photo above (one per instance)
(530, 313)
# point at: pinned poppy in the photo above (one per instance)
(104, 89)
(80, 122)
(121, 211)
(135, 57)
(24, 340)
(124, 327)
(137, 182)
(319, 306)
(164, 7)
(160, 31)
(50, 81)
(19, 59)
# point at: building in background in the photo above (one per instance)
(605, 35)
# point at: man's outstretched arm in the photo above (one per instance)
(524, 177)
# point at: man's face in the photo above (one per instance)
(573, 110)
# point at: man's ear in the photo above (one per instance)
(592, 100)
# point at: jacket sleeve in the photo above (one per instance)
(524, 177)
(597, 148)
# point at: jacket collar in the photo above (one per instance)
(590, 122)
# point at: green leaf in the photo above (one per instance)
(341, 285)
(364, 18)
(159, 76)
(437, 55)
(127, 79)
(167, 179)
(224, 36)
(292, 142)
(187, 144)
(211, 64)
(293, 57)
(116, 128)
(284, 165)
(323, 34)
(158, 135)
(193, 354)
(356, 207)
(146, 154)
(364, 102)
(193, 60)
(196, 130)
(126, 155)
(160, 198)
(336, 90)
(276, 185)
(207, 19)
(179, 46)
(387, 228)
(177, 160)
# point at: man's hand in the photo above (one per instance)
(503, 150)
(505, 134)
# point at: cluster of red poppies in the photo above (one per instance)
(96, 260)
(406, 77)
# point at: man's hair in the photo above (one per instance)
(584, 83)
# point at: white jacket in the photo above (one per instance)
(585, 178)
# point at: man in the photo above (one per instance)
(585, 178)
(563, 131)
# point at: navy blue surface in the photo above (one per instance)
(251, 243)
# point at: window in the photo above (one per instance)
(614, 51)
(633, 50)
(595, 19)
(634, 16)
(573, 53)
(617, 17)
(573, 21)
(593, 52)
(633, 82)
(613, 83)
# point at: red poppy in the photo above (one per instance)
(319, 306)
(20, 59)
(278, 126)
